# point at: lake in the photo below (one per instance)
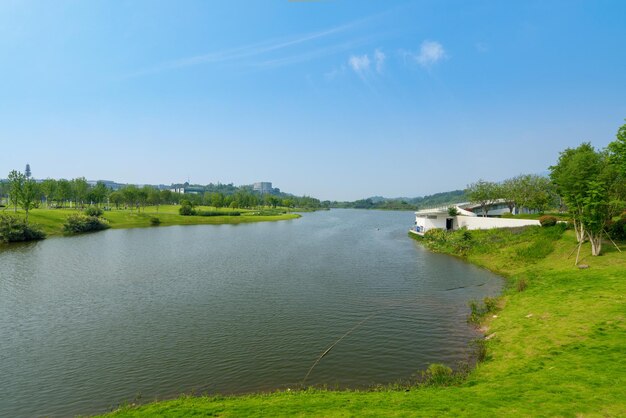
(92, 321)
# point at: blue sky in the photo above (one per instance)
(335, 99)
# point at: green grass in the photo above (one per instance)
(51, 220)
(559, 347)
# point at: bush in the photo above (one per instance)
(79, 223)
(154, 221)
(453, 211)
(547, 220)
(14, 229)
(479, 310)
(93, 211)
(216, 213)
(186, 210)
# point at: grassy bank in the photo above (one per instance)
(51, 220)
(557, 345)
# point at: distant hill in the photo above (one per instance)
(405, 203)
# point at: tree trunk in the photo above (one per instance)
(596, 242)
(579, 228)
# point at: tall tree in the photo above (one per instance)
(584, 178)
(16, 187)
(28, 197)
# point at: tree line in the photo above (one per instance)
(22, 191)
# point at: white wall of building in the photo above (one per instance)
(472, 222)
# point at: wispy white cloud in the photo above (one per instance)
(430, 53)
(379, 58)
(359, 63)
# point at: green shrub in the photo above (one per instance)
(216, 213)
(547, 220)
(479, 349)
(79, 223)
(186, 210)
(453, 211)
(435, 235)
(93, 211)
(154, 221)
(14, 229)
(479, 310)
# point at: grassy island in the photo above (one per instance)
(556, 344)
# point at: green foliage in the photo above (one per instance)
(439, 375)
(617, 229)
(78, 223)
(521, 285)
(547, 220)
(478, 310)
(484, 193)
(93, 211)
(216, 213)
(453, 211)
(14, 229)
(154, 221)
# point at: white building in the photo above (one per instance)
(442, 218)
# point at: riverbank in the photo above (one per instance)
(51, 220)
(556, 345)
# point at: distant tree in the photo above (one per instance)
(166, 196)
(154, 198)
(483, 193)
(80, 189)
(48, 188)
(16, 187)
(117, 198)
(130, 195)
(64, 191)
(28, 197)
(217, 199)
(99, 193)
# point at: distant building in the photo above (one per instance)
(263, 187)
(108, 183)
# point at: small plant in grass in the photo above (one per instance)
(521, 285)
(439, 375)
(154, 221)
(478, 310)
(547, 220)
(479, 349)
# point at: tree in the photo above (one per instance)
(99, 193)
(48, 188)
(28, 197)
(80, 188)
(154, 198)
(16, 187)
(617, 152)
(584, 178)
(64, 191)
(484, 193)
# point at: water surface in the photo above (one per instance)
(89, 322)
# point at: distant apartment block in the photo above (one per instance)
(263, 187)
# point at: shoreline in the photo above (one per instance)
(542, 340)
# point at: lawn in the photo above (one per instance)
(557, 348)
(51, 220)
